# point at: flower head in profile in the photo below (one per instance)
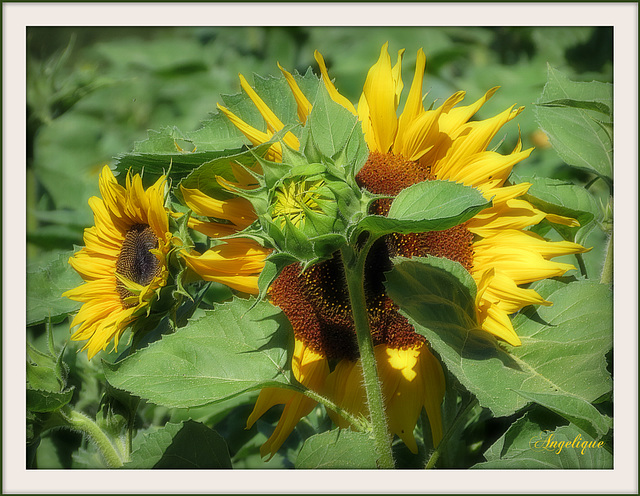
(123, 262)
(494, 247)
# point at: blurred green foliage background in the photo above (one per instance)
(93, 92)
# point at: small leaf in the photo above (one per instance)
(273, 266)
(45, 284)
(238, 347)
(572, 126)
(187, 445)
(563, 346)
(338, 449)
(427, 206)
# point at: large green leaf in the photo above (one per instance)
(580, 412)
(187, 445)
(45, 284)
(578, 119)
(427, 206)
(563, 346)
(338, 449)
(175, 165)
(526, 445)
(233, 349)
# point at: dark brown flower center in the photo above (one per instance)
(135, 260)
(317, 301)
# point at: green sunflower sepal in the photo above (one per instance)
(304, 209)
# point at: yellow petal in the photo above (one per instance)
(381, 90)
(254, 135)
(236, 210)
(273, 123)
(403, 390)
(311, 370)
(304, 106)
(455, 118)
(333, 92)
(236, 263)
(434, 384)
(344, 386)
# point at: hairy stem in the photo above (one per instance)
(360, 424)
(354, 271)
(80, 422)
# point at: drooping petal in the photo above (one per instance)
(310, 369)
(236, 263)
(236, 210)
(333, 92)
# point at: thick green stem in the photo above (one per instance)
(84, 424)
(607, 269)
(354, 271)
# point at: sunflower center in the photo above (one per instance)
(135, 260)
(316, 301)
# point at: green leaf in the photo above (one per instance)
(526, 445)
(563, 346)
(427, 206)
(46, 379)
(566, 102)
(173, 165)
(562, 198)
(330, 124)
(576, 410)
(338, 449)
(238, 347)
(570, 113)
(45, 284)
(187, 445)
(204, 177)
(47, 401)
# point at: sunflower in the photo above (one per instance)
(123, 262)
(494, 247)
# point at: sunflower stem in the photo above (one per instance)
(353, 262)
(80, 422)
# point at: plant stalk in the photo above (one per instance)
(354, 271)
(85, 425)
(360, 424)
